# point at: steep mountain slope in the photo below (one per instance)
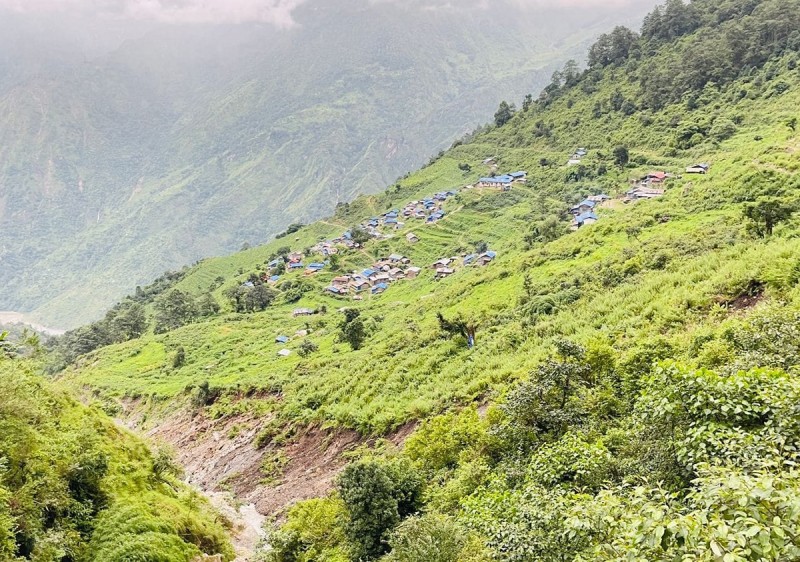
(75, 487)
(191, 141)
(630, 394)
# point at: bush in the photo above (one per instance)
(306, 348)
(427, 538)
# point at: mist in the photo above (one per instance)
(275, 12)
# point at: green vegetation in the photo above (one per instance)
(182, 143)
(631, 393)
(74, 487)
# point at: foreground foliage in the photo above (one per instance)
(73, 487)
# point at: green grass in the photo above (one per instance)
(406, 371)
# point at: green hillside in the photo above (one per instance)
(189, 142)
(630, 394)
(75, 487)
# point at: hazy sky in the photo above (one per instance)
(278, 12)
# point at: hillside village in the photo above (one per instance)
(409, 223)
(406, 221)
(595, 360)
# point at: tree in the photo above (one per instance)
(129, 323)
(546, 230)
(359, 235)
(207, 305)
(503, 114)
(259, 297)
(173, 310)
(792, 124)
(571, 73)
(621, 156)
(765, 213)
(527, 102)
(458, 327)
(352, 329)
(545, 405)
(377, 497)
(466, 168)
(612, 48)
(333, 260)
(633, 232)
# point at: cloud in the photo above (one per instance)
(488, 4)
(277, 12)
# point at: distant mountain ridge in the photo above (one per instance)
(191, 141)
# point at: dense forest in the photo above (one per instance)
(622, 389)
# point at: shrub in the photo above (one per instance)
(427, 538)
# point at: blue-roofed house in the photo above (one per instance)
(486, 258)
(520, 176)
(379, 288)
(368, 273)
(502, 182)
(316, 265)
(274, 278)
(585, 218)
(295, 265)
(391, 214)
(584, 206)
(248, 284)
(469, 259)
(347, 235)
(275, 263)
(282, 339)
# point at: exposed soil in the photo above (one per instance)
(750, 297)
(745, 301)
(220, 459)
(219, 456)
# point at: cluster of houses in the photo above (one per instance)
(375, 279)
(445, 267)
(428, 209)
(584, 212)
(577, 156)
(648, 187)
(503, 182)
(294, 262)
